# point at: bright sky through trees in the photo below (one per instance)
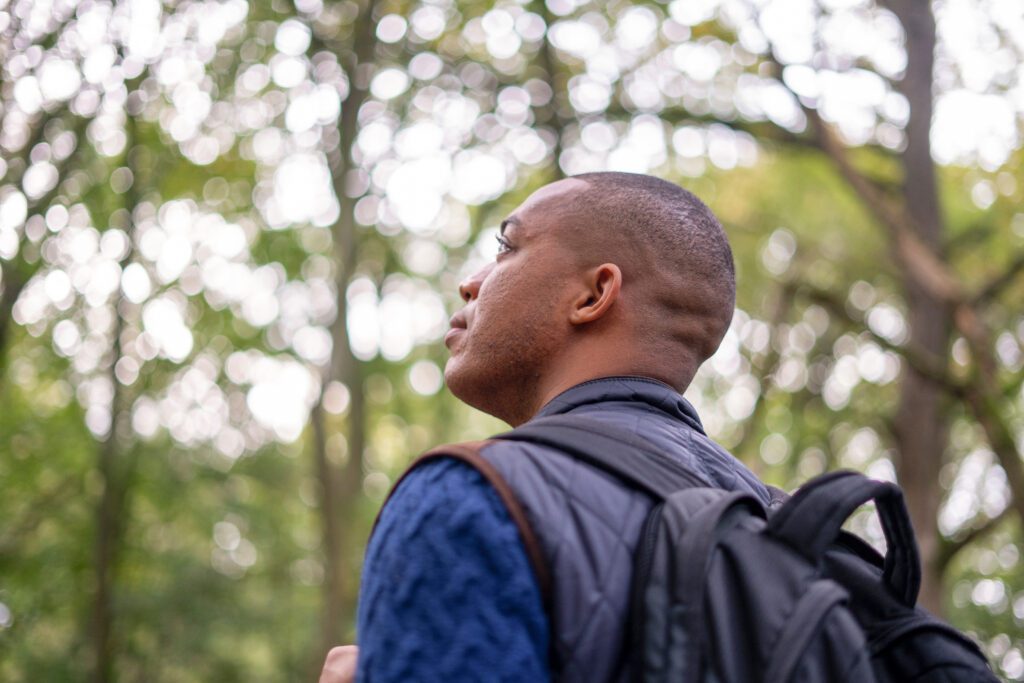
(420, 176)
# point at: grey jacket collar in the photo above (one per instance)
(642, 392)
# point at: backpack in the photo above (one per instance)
(725, 590)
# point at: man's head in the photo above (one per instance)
(599, 274)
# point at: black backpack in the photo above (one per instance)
(725, 590)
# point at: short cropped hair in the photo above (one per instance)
(676, 240)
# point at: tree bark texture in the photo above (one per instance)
(921, 418)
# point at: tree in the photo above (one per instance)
(936, 299)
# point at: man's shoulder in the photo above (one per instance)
(437, 480)
(528, 466)
(440, 585)
(683, 440)
(452, 464)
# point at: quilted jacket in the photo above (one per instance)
(587, 524)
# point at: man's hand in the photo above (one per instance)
(340, 666)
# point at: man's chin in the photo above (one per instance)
(453, 378)
(460, 382)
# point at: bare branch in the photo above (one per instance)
(982, 396)
(987, 410)
(925, 363)
(995, 286)
(765, 373)
(978, 530)
(1012, 388)
(971, 235)
(921, 261)
(825, 139)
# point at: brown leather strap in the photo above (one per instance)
(469, 453)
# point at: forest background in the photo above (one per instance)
(231, 235)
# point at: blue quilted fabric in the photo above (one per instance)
(448, 593)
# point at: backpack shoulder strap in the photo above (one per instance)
(469, 453)
(812, 519)
(619, 452)
(670, 596)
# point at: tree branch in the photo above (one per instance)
(923, 264)
(920, 260)
(988, 412)
(981, 396)
(972, 234)
(952, 546)
(766, 372)
(12, 286)
(997, 284)
(926, 364)
(914, 227)
(34, 514)
(825, 139)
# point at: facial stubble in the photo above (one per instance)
(502, 371)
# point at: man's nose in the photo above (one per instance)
(469, 289)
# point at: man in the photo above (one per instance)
(513, 564)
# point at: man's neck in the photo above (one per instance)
(564, 383)
(598, 357)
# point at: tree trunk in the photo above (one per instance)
(921, 420)
(339, 485)
(12, 285)
(330, 535)
(115, 466)
(106, 543)
(554, 113)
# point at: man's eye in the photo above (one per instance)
(503, 245)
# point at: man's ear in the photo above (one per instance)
(603, 284)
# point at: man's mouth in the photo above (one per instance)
(449, 338)
(458, 325)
